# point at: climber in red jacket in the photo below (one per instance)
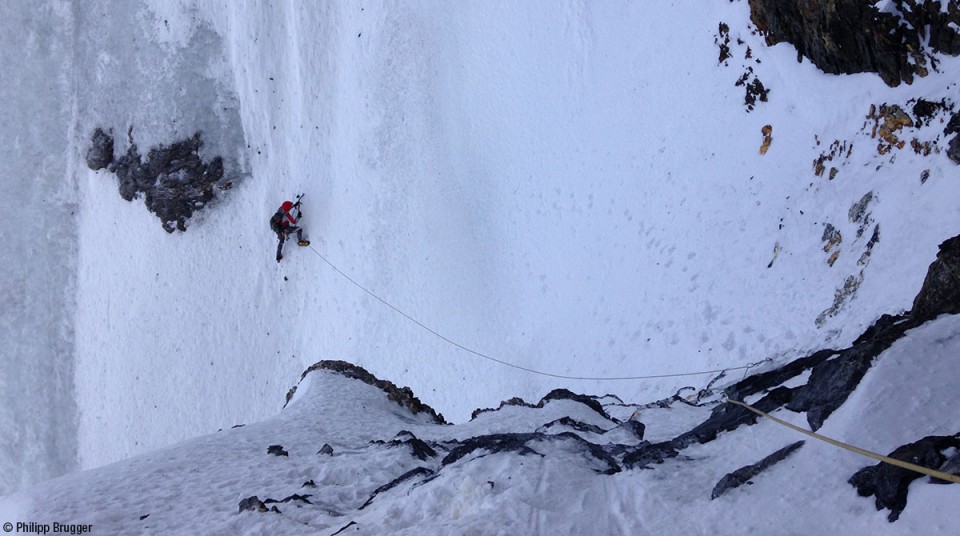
(284, 223)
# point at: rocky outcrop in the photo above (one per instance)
(557, 394)
(745, 474)
(940, 292)
(277, 450)
(953, 149)
(174, 181)
(418, 473)
(889, 483)
(100, 153)
(420, 450)
(832, 381)
(727, 417)
(254, 504)
(401, 395)
(853, 36)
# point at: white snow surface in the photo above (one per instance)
(574, 188)
(195, 487)
(585, 198)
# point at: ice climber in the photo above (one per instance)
(284, 223)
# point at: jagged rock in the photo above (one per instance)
(401, 395)
(598, 452)
(326, 449)
(837, 150)
(556, 394)
(100, 153)
(493, 443)
(294, 497)
(868, 250)
(572, 423)
(252, 503)
(940, 292)
(767, 132)
(309, 484)
(888, 120)
(637, 428)
(727, 416)
(563, 394)
(926, 112)
(953, 149)
(832, 381)
(754, 90)
(174, 181)
(858, 212)
(723, 41)
(420, 449)
(515, 401)
(953, 125)
(831, 237)
(889, 483)
(940, 23)
(744, 474)
(277, 450)
(766, 380)
(647, 453)
(853, 36)
(517, 442)
(345, 527)
(413, 473)
(840, 297)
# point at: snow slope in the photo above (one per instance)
(343, 441)
(572, 189)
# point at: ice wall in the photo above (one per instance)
(38, 243)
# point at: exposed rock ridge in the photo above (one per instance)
(557, 394)
(401, 395)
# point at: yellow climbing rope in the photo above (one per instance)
(885, 459)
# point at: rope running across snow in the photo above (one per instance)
(886, 459)
(506, 363)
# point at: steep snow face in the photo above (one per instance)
(576, 190)
(38, 244)
(345, 453)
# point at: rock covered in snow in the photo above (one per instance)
(100, 153)
(852, 36)
(173, 179)
(401, 395)
(745, 474)
(889, 483)
(252, 503)
(940, 292)
(953, 149)
(277, 450)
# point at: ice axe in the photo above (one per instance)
(297, 204)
